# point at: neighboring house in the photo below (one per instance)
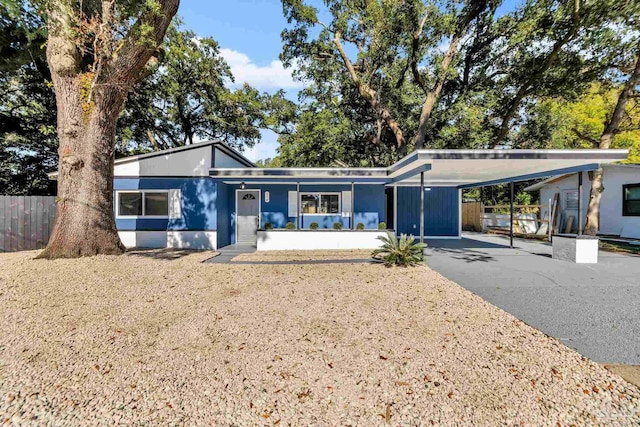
(619, 206)
(207, 195)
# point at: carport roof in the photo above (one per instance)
(451, 168)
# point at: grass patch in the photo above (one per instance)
(619, 247)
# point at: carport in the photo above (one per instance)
(478, 168)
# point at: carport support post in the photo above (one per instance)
(511, 214)
(353, 208)
(298, 222)
(579, 203)
(421, 207)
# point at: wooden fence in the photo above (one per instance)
(472, 216)
(26, 222)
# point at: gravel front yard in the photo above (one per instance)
(143, 340)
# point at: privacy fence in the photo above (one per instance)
(26, 222)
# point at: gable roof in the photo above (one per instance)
(217, 143)
(220, 145)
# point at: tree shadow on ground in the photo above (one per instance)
(167, 254)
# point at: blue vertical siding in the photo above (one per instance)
(441, 211)
(199, 200)
(223, 214)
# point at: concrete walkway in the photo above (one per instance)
(594, 309)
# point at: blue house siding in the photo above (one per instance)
(369, 205)
(441, 211)
(223, 214)
(199, 201)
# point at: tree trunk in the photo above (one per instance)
(593, 211)
(370, 95)
(434, 93)
(85, 225)
(89, 97)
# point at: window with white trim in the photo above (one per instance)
(631, 200)
(143, 204)
(320, 203)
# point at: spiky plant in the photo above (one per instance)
(404, 251)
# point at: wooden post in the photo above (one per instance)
(511, 214)
(579, 203)
(550, 220)
(421, 207)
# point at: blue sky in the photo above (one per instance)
(248, 32)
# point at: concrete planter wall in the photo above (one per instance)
(281, 240)
(578, 249)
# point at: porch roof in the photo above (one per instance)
(451, 168)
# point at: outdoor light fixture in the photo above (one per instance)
(242, 186)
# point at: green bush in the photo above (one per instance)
(337, 226)
(360, 226)
(405, 251)
(290, 226)
(382, 226)
(268, 226)
(314, 226)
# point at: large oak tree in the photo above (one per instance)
(96, 51)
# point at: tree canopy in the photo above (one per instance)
(384, 77)
(185, 96)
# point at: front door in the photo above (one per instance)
(248, 216)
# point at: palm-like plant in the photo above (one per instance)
(404, 251)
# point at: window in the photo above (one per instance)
(320, 203)
(571, 199)
(143, 203)
(631, 200)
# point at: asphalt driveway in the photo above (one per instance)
(594, 309)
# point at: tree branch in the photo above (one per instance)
(132, 54)
(585, 137)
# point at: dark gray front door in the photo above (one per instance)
(248, 215)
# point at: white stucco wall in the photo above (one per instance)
(194, 162)
(611, 219)
(181, 239)
(271, 240)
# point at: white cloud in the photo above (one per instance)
(265, 148)
(268, 77)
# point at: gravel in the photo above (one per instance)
(139, 339)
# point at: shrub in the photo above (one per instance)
(337, 226)
(405, 251)
(360, 226)
(314, 226)
(268, 226)
(382, 226)
(290, 226)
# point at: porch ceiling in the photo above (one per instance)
(457, 168)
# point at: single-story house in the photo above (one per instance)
(207, 195)
(619, 206)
